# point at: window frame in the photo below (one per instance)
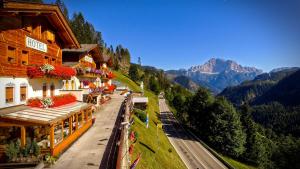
(13, 94)
(27, 61)
(26, 93)
(9, 57)
(44, 85)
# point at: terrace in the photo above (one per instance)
(54, 129)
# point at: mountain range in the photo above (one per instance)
(273, 86)
(216, 74)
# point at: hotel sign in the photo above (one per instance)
(35, 44)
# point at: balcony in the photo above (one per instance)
(50, 71)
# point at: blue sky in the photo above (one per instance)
(173, 34)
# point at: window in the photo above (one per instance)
(53, 61)
(23, 93)
(44, 90)
(37, 31)
(50, 36)
(46, 60)
(11, 55)
(67, 85)
(52, 90)
(27, 24)
(9, 92)
(24, 59)
(73, 84)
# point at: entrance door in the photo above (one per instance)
(44, 90)
(52, 90)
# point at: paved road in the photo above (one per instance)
(193, 154)
(96, 148)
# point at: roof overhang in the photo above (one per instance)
(93, 49)
(51, 12)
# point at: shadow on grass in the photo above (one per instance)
(145, 145)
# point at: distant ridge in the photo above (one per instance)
(217, 74)
(259, 90)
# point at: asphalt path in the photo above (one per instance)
(190, 150)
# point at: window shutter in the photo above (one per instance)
(23, 91)
(24, 57)
(9, 94)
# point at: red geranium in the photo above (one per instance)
(34, 72)
(112, 87)
(63, 99)
(58, 72)
(58, 100)
(62, 72)
(110, 75)
(34, 102)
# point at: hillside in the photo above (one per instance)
(286, 92)
(248, 91)
(186, 82)
(217, 74)
(160, 158)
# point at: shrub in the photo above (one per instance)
(12, 150)
(140, 114)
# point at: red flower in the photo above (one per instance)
(63, 72)
(63, 99)
(34, 72)
(110, 75)
(112, 87)
(58, 72)
(57, 100)
(34, 102)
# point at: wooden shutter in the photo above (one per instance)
(52, 89)
(46, 60)
(73, 84)
(24, 58)
(9, 91)
(44, 90)
(50, 36)
(11, 54)
(23, 93)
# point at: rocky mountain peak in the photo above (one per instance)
(216, 65)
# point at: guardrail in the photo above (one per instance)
(123, 161)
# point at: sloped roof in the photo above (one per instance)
(86, 48)
(50, 11)
(83, 48)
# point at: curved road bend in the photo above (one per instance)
(190, 150)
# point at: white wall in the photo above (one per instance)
(34, 88)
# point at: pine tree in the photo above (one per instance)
(63, 8)
(225, 130)
(133, 73)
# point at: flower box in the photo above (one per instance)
(58, 100)
(50, 71)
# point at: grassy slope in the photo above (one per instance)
(237, 164)
(162, 158)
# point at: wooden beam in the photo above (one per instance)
(23, 136)
(52, 137)
(76, 126)
(70, 125)
(62, 130)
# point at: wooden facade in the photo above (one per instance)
(35, 34)
(43, 23)
(31, 34)
(73, 119)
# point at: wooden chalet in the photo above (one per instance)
(92, 71)
(33, 35)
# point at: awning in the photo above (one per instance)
(45, 116)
